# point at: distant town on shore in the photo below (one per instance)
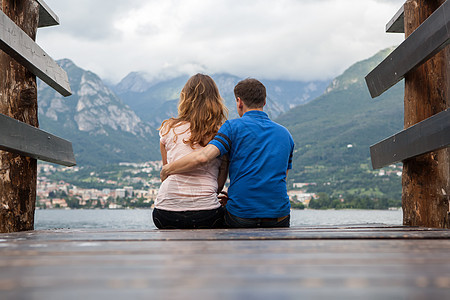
(136, 185)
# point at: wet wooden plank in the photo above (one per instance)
(46, 16)
(427, 40)
(397, 23)
(295, 233)
(163, 264)
(17, 44)
(429, 135)
(26, 140)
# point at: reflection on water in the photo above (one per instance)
(142, 218)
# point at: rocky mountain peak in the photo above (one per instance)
(93, 106)
(135, 82)
(94, 114)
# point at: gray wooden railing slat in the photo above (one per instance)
(17, 44)
(397, 23)
(429, 135)
(427, 40)
(18, 137)
(46, 16)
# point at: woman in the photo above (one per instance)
(189, 200)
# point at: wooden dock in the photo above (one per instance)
(339, 262)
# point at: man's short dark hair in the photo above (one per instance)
(252, 92)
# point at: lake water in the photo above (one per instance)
(141, 219)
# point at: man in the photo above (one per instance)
(260, 154)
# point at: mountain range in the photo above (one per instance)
(333, 123)
(156, 101)
(110, 124)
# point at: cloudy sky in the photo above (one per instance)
(266, 39)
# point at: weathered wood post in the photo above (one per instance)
(423, 146)
(426, 178)
(21, 142)
(18, 99)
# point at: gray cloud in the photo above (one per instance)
(286, 39)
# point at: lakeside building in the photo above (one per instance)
(301, 196)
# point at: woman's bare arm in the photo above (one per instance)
(190, 161)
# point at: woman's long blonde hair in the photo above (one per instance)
(201, 105)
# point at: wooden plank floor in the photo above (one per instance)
(350, 262)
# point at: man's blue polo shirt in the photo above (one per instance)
(260, 152)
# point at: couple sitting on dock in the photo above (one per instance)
(198, 149)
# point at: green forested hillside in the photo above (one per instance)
(333, 134)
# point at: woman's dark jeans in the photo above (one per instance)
(231, 221)
(199, 219)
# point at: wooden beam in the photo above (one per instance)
(26, 140)
(427, 40)
(397, 23)
(46, 16)
(17, 44)
(429, 135)
(426, 178)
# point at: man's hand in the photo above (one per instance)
(223, 199)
